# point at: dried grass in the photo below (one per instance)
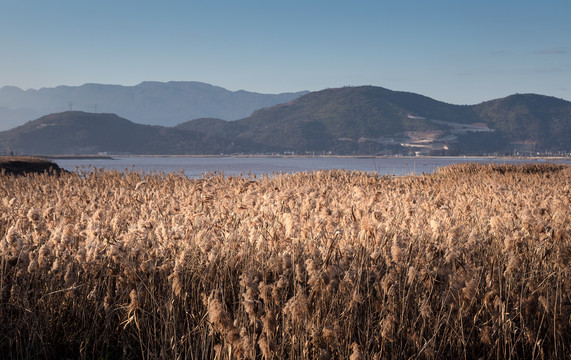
(472, 262)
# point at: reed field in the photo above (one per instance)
(473, 261)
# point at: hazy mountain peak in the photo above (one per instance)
(150, 102)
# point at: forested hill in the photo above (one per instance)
(350, 120)
(363, 120)
(75, 132)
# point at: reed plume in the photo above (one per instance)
(469, 262)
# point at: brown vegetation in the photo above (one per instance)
(473, 261)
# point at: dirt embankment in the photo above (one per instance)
(20, 165)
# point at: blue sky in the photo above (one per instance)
(460, 52)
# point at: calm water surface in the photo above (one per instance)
(195, 167)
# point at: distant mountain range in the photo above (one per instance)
(349, 121)
(151, 103)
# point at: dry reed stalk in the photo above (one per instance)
(470, 262)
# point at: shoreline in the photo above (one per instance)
(21, 165)
(114, 156)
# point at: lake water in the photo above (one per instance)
(195, 167)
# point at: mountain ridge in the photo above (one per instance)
(149, 102)
(346, 121)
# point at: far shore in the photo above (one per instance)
(4, 158)
(113, 156)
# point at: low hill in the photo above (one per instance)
(351, 121)
(328, 119)
(212, 126)
(76, 132)
(367, 119)
(541, 120)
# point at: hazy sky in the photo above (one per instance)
(461, 52)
